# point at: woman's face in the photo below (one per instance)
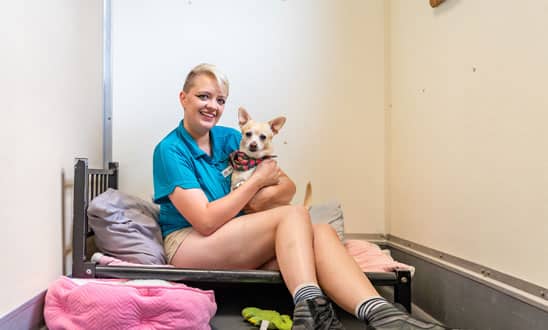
(204, 104)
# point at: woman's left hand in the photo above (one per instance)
(272, 196)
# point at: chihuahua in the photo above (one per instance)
(256, 146)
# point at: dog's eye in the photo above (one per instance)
(262, 137)
(248, 134)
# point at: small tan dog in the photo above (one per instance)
(256, 146)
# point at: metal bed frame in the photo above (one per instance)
(89, 183)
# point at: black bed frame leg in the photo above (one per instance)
(79, 228)
(402, 290)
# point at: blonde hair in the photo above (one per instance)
(207, 69)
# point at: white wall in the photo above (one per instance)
(320, 63)
(468, 161)
(50, 71)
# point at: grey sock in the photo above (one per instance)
(365, 310)
(307, 291)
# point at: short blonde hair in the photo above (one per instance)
(207, 69)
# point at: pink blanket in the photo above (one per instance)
(105, 260)
(122, 304)
(371, 258)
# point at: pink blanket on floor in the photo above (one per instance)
(122, 304)
(371, 258)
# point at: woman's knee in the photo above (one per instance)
(301, 211)
(297, 213)
(323, 229)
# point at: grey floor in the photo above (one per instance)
(230, 302)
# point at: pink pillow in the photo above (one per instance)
(122, 304)
(371, 258)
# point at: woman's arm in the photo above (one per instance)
(206, 217)
(272, 196)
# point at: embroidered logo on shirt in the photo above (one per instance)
(227, 171)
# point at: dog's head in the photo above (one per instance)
(257, 136)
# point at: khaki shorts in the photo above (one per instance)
(173, 240)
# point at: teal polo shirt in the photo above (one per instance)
(179, 162)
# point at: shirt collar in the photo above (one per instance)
(193, 146)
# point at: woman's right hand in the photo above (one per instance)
(267, 173)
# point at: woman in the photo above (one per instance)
(203, 227)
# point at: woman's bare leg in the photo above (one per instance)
(294, 249)
(250, 241)
(272, 264)
(339, 275)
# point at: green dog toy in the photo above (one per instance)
(256, 317)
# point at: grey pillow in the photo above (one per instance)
(126, 227)
(331, 213)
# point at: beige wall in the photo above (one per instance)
(50, 74)
(464, 124)
(469, 107)
(320, 63)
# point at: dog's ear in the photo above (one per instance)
(276, 124)
(243, 116)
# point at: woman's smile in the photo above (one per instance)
(208, 114)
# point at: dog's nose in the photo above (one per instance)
(253, 146)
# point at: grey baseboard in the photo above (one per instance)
(467, 295)
(29, 316)
(458, 301)
(527, 292)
